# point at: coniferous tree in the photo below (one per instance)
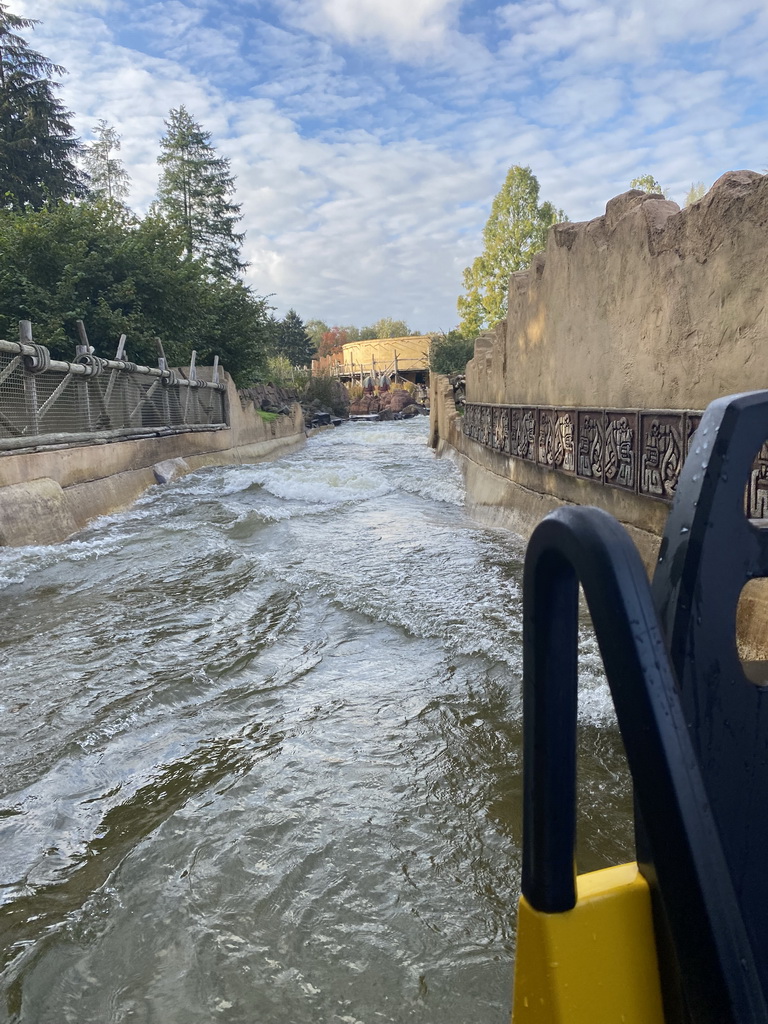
(108, 178)
(38, 146)
(293, 342)
(194, 194)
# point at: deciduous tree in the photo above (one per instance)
(122, 275)
(515, 231)
(332, 341)
(386, 328)
(450, 353)
(647, 183)
(316, 329)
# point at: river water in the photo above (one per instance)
(261, 751)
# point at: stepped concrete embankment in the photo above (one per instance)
(616, 339)
(49, 493)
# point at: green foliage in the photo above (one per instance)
(647, 183)
(108, 178)
(326, 392)
(279, 370)
(292, 340)
(696, 192)
(122, 275)
(193, 194)
(515, 231)
(450, 353)
(386, 328)
(330, 339)
(38, 146)
(316, 329)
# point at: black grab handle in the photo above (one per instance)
(585, 545)
(710, 549)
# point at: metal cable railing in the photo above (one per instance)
(44, 401)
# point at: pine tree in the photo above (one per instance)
(38, 146)
(292, 340)
(109, 179)
(194, 194)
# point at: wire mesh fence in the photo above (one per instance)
(44, 400)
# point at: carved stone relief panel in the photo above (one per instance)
(637, 451)
(501, 429)
(590, 449)
(485, 427)
(661, 453)
(469, 421)
(547, 421)
(757, 486)
(564, 456)
(692, 421)
(621, 449)
(523, 432)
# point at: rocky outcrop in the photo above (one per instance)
(395, 404)
(647, 306)
(269, 398)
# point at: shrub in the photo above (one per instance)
(450, 353)
(279, 371)
(328, 393)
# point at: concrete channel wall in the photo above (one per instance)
(48, 494)
(648, 307)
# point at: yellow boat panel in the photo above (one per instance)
(595, 964)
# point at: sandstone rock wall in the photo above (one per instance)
(647, 306)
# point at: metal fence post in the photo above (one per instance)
(84, 349)
(30, 384)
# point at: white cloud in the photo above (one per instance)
(404, 26)
(366, 180)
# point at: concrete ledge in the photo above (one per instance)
(504, 504)
(41, 511)
(36, 512)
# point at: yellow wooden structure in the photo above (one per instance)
(405, 357)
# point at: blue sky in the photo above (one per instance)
(368, 137)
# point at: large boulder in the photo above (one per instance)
(400, 399)
(366, 405)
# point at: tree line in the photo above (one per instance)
(70, 247)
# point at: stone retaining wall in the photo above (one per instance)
(47, 495)
(647, 307)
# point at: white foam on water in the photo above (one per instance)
(322, 483)
(447, 486)
(595, 701)
(17, 565)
